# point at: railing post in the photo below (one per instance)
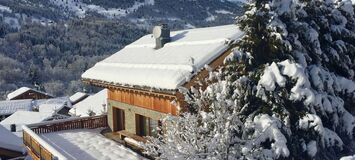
(81, 124)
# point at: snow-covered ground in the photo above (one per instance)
(80, 8)
(88, 144)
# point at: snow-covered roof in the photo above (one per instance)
(10, 107)
(94, 103)
(25, 117)
(88, 144)
(53, 105)
(9, 140)
(139, 64)
(22, 90)
(77, 96)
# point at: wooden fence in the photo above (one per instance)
(39, 151)
(81, 123)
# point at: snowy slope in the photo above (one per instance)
(80, 9)
(144, 13)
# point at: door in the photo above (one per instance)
(120, 119)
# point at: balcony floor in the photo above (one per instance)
(88, 144)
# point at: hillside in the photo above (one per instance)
(47, 44)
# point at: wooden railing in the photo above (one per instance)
(41, 149)
(36, 150)
(79, 123)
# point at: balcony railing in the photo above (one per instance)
(41, 149)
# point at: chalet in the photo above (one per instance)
(144, 77)
(142, 84)
(28, 93)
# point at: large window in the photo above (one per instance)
(146, 126)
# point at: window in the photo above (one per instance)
(146, 126)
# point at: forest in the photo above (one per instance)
(52, 58)
(47, 44)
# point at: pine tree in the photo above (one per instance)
(287, 90)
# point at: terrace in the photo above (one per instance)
(76, 138)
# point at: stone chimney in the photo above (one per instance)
(161, 34)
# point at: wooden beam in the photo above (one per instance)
(103, 84)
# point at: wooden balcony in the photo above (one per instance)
(39, 149)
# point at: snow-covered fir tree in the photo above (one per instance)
(286, 92)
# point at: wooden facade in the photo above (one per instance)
(156, 102)
(140, 99)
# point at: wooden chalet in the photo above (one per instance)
(28, 93)
(143, 81)
(143, 78)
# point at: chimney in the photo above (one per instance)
(161, 34)
(13, 127)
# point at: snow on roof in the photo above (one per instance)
(94, 102)
(77, 96)
(53, 105)
(10, 107)
(9, 140)
(88, 144)
(24, 117)
(139, 64)
(17, 92)
(22, 90)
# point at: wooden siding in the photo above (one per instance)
(35, 150)
(156, 102)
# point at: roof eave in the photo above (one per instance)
(149, 90)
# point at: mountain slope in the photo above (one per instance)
(49, 43)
